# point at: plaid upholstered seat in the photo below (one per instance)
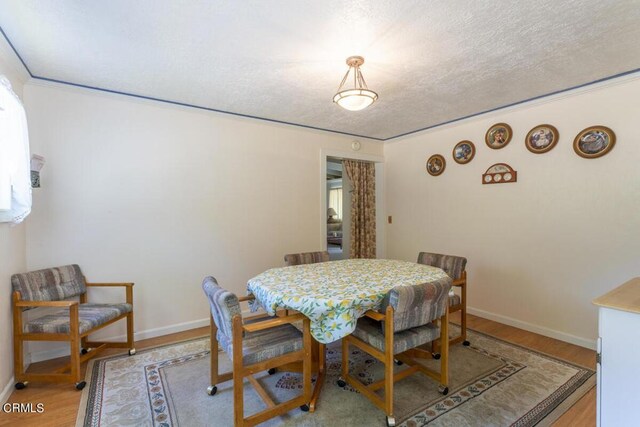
(369, 331)
(264, 345)
(89, 317)
(306, 258)
(415, 308)
(256, 346)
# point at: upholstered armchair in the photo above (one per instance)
(254, 346)
(73, 321)
(404, 323)
(306, 258)
(455, 267)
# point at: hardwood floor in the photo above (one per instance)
(61, 401)
(583, 412)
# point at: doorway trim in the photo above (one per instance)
(325, 154)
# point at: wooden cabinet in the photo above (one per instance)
(618, 368)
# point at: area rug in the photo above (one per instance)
(493, 383)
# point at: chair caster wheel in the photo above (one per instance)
(466, 343)
(435, 356)
(20, 386)
(398, 362)
(272, 371)
(80, 385)
(84, 351)
(304, 408)
(342, 383)
(391, 421)
(443, 390)
(132, 352)
(212, 389)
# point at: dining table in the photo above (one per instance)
(333, 295)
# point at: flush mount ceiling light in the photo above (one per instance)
(359, 97)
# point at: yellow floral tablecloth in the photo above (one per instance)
(333, 295)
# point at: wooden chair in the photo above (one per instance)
(73, 322)
(253, 347)
(407, 323)
(310, 258)
(454, 266)
(306, 258)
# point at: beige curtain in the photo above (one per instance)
(363, 208)
(335, 201)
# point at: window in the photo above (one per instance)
(335, 201)
(15, 179)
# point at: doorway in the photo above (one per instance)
(336, 204)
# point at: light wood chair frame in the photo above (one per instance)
(462, 308)
(77, 342)
(241, 371)
(387, 357)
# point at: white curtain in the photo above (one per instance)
(15, 175)
(335, 200)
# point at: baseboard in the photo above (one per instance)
(7, 390)
(547, 332)
(141, 335)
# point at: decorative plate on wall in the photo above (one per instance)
(594, 141)
(500, 173)
(463, 152)
(541, 139)
(436, 165)
(498, 136)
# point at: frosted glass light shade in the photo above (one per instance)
(355, 99)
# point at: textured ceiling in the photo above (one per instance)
(430, 61)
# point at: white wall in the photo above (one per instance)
(541, 249)
(163, 196)
(12, 246)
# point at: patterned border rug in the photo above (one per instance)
(493, 383)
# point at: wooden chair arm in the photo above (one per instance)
(273, 322)
(375, 315)
(24, 303)
(129, 284)
(246, 298)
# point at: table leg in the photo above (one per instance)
(322, 371)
